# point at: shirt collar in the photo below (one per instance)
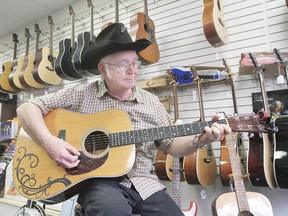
(136, 95)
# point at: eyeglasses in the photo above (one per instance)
(125, 66)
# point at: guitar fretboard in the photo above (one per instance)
(152, 134)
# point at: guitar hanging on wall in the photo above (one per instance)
(43, 70)
(213, 23)
(225, 164)
(142, 27)
(85, 41)
(8, 68)
(27, 78)
(260, 156)
(63, 65)
(200, 167)
(21, 63)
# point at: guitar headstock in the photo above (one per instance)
(246, 123)
(27, 33)
(89, 3)
(278, 55)
(36, 28)
(15, 38)
(256, 65)
(50, 21)
(70, 10)
(171, 77)
(227, 68)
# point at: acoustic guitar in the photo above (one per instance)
(37, 177)
(281, 148)
(7, 69)
(213, 23)
(266, 155)
(14, 76)
(225, 165)
(239, 202)
(142, 27)
(200, 167)
(63, 65)
(43, 70)
(85, 41)
(26, 76)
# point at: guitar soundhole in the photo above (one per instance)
(245, 213)
(96, 143)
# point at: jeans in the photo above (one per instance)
(107, 197)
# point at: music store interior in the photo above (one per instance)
(225, 57)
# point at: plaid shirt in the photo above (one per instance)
(145, 111)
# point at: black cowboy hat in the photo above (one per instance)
(114, 38)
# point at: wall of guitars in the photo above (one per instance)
(215, 56)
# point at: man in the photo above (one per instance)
(138, 192)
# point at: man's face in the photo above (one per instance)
(120, 70)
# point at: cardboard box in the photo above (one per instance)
(266, 59)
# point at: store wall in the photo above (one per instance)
(253, 26)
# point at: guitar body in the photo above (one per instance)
(63, 64)
(7, 68)
(43, 70)
(21, 73)
(192, 210)
(14, 77)
(26, 77)
(37, 177)
(260, 160)
(189, 166)
(160, 165)
(138, 30)
(213, 23)
(83, 45)
(255, 166)
(206, 166)
(281, 152)
(226, 205)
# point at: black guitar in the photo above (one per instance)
(63, 64)
(85, 41)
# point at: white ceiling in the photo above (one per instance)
(15, 14)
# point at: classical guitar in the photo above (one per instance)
(8, 68)
(85, 41)
(225, 166)
(22, 63)
(63, 65)
(200, 167)
(239, 202)
(107, 150)
(213, 23)
(43, 70)
(268, 142)
(26, 77)
(141, 26)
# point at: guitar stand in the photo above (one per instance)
(31, 209)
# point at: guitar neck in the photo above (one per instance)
(240, 191)
(92, 24)
(51, 41)
(176, 191)
(146, 12)
(152, 134)
(116, 11)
